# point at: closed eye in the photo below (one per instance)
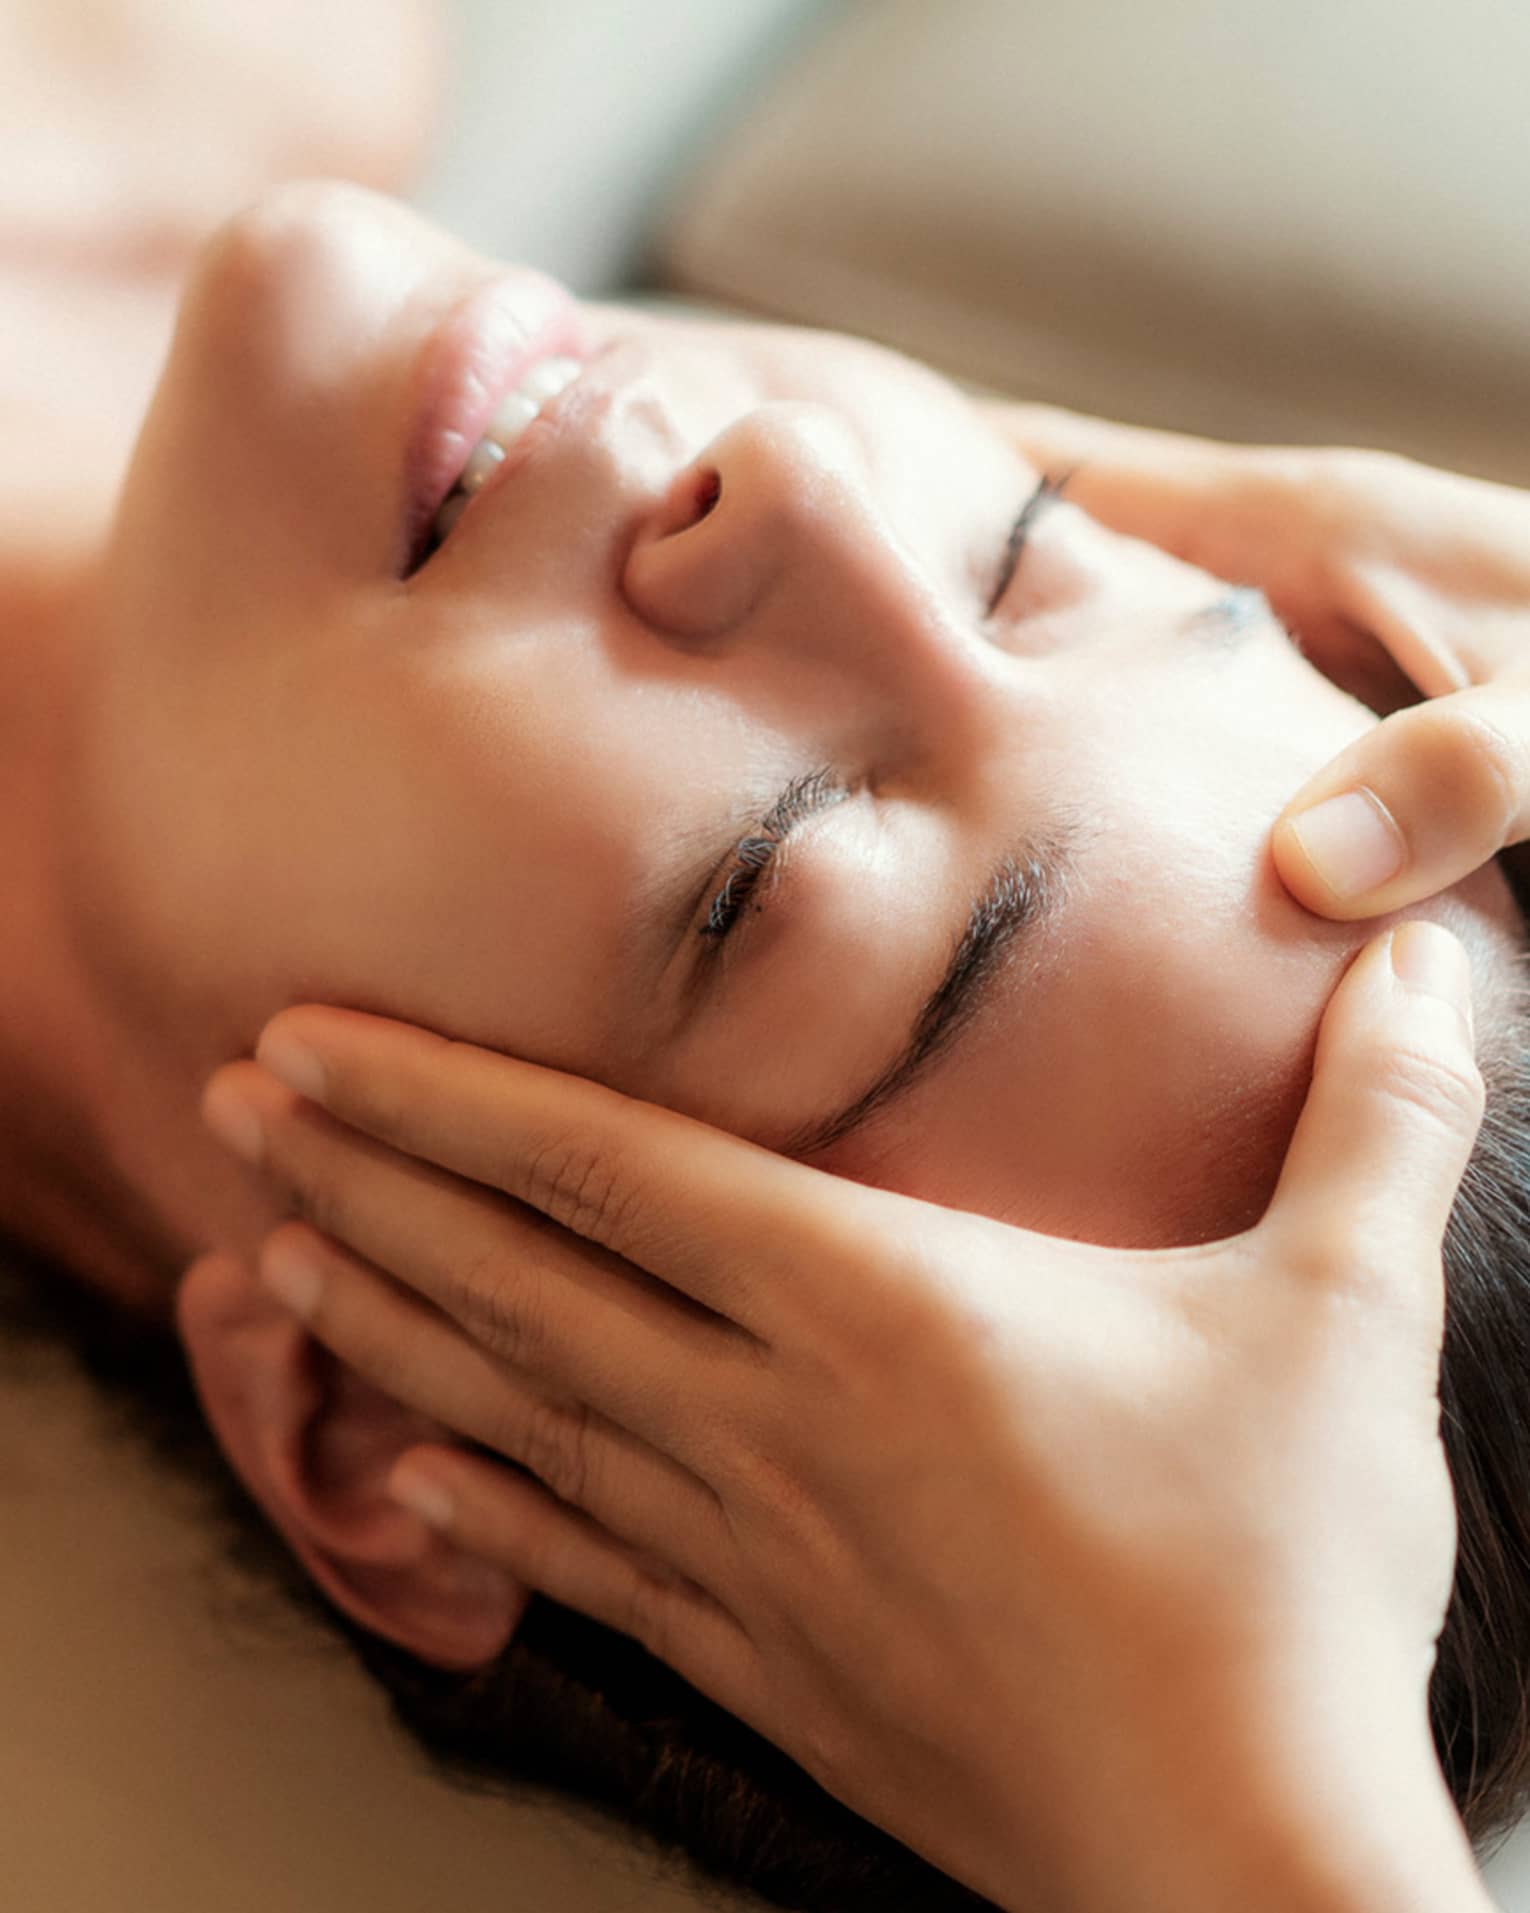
(751, 858)
(1046, 493)
(753, 855)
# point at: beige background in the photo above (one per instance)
(174, 1740)
(1255, 220)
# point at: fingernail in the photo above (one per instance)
(1351, 842)
(292, 1276)
(234, 1123)
(422, 1496)
(1430, 959)
(295, 1063)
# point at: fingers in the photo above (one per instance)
(738, 1229)
(574, 1318)
(1391, 1117)
(1238, 511)
(418, 1357)
(1411, 807)
(505, 1519)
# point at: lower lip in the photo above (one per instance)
(480, 351)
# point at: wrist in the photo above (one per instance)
(1389, 1841)
(1403, 1851)
(1342, 1809)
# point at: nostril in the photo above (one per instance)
(691, 498)
(692, 573)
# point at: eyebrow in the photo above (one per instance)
(1020, 896)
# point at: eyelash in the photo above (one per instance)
(1048, 492)
(753, 855)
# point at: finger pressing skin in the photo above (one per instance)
(1411, 807)
(572, 1317)
(505, 1519)
(740, 1230)
(1389, 1122)
(1242, 512)
(419, 1357)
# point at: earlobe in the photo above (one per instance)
(313, 1442)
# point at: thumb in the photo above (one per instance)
(1392, 1114)
(1411, 807)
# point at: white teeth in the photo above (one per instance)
(485, 456)
(547, 380)
(542, 384)
(514, 415)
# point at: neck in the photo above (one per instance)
(104, 1165)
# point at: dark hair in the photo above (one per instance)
(573, 1707)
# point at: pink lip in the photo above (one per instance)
(605, 369)
(481, 350)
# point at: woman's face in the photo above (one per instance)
(503, 795)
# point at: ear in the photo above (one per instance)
(314, 1442)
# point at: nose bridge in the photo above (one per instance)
(799, 488)
(850, 585)
(775, 542)
(796, 459)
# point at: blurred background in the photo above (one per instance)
(1303, 220)
(1307, 220)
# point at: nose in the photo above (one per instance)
(775, 538)
(781, 489)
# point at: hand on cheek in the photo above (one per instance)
(758, 1413)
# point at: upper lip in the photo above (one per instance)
(479, 351)
(604, 372)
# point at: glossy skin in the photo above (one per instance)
(443, 798)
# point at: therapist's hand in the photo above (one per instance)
(1100, 1578)
(1398, 580)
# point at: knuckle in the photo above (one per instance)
(1343, 488)
(576, 1179)
(477, 1278)
(1373, 466)
(1336, 481)
(499, 1300)
(1447, 1090)
(1358, 475)
(772, 1489)
(1482, 768)
(552, 1441)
